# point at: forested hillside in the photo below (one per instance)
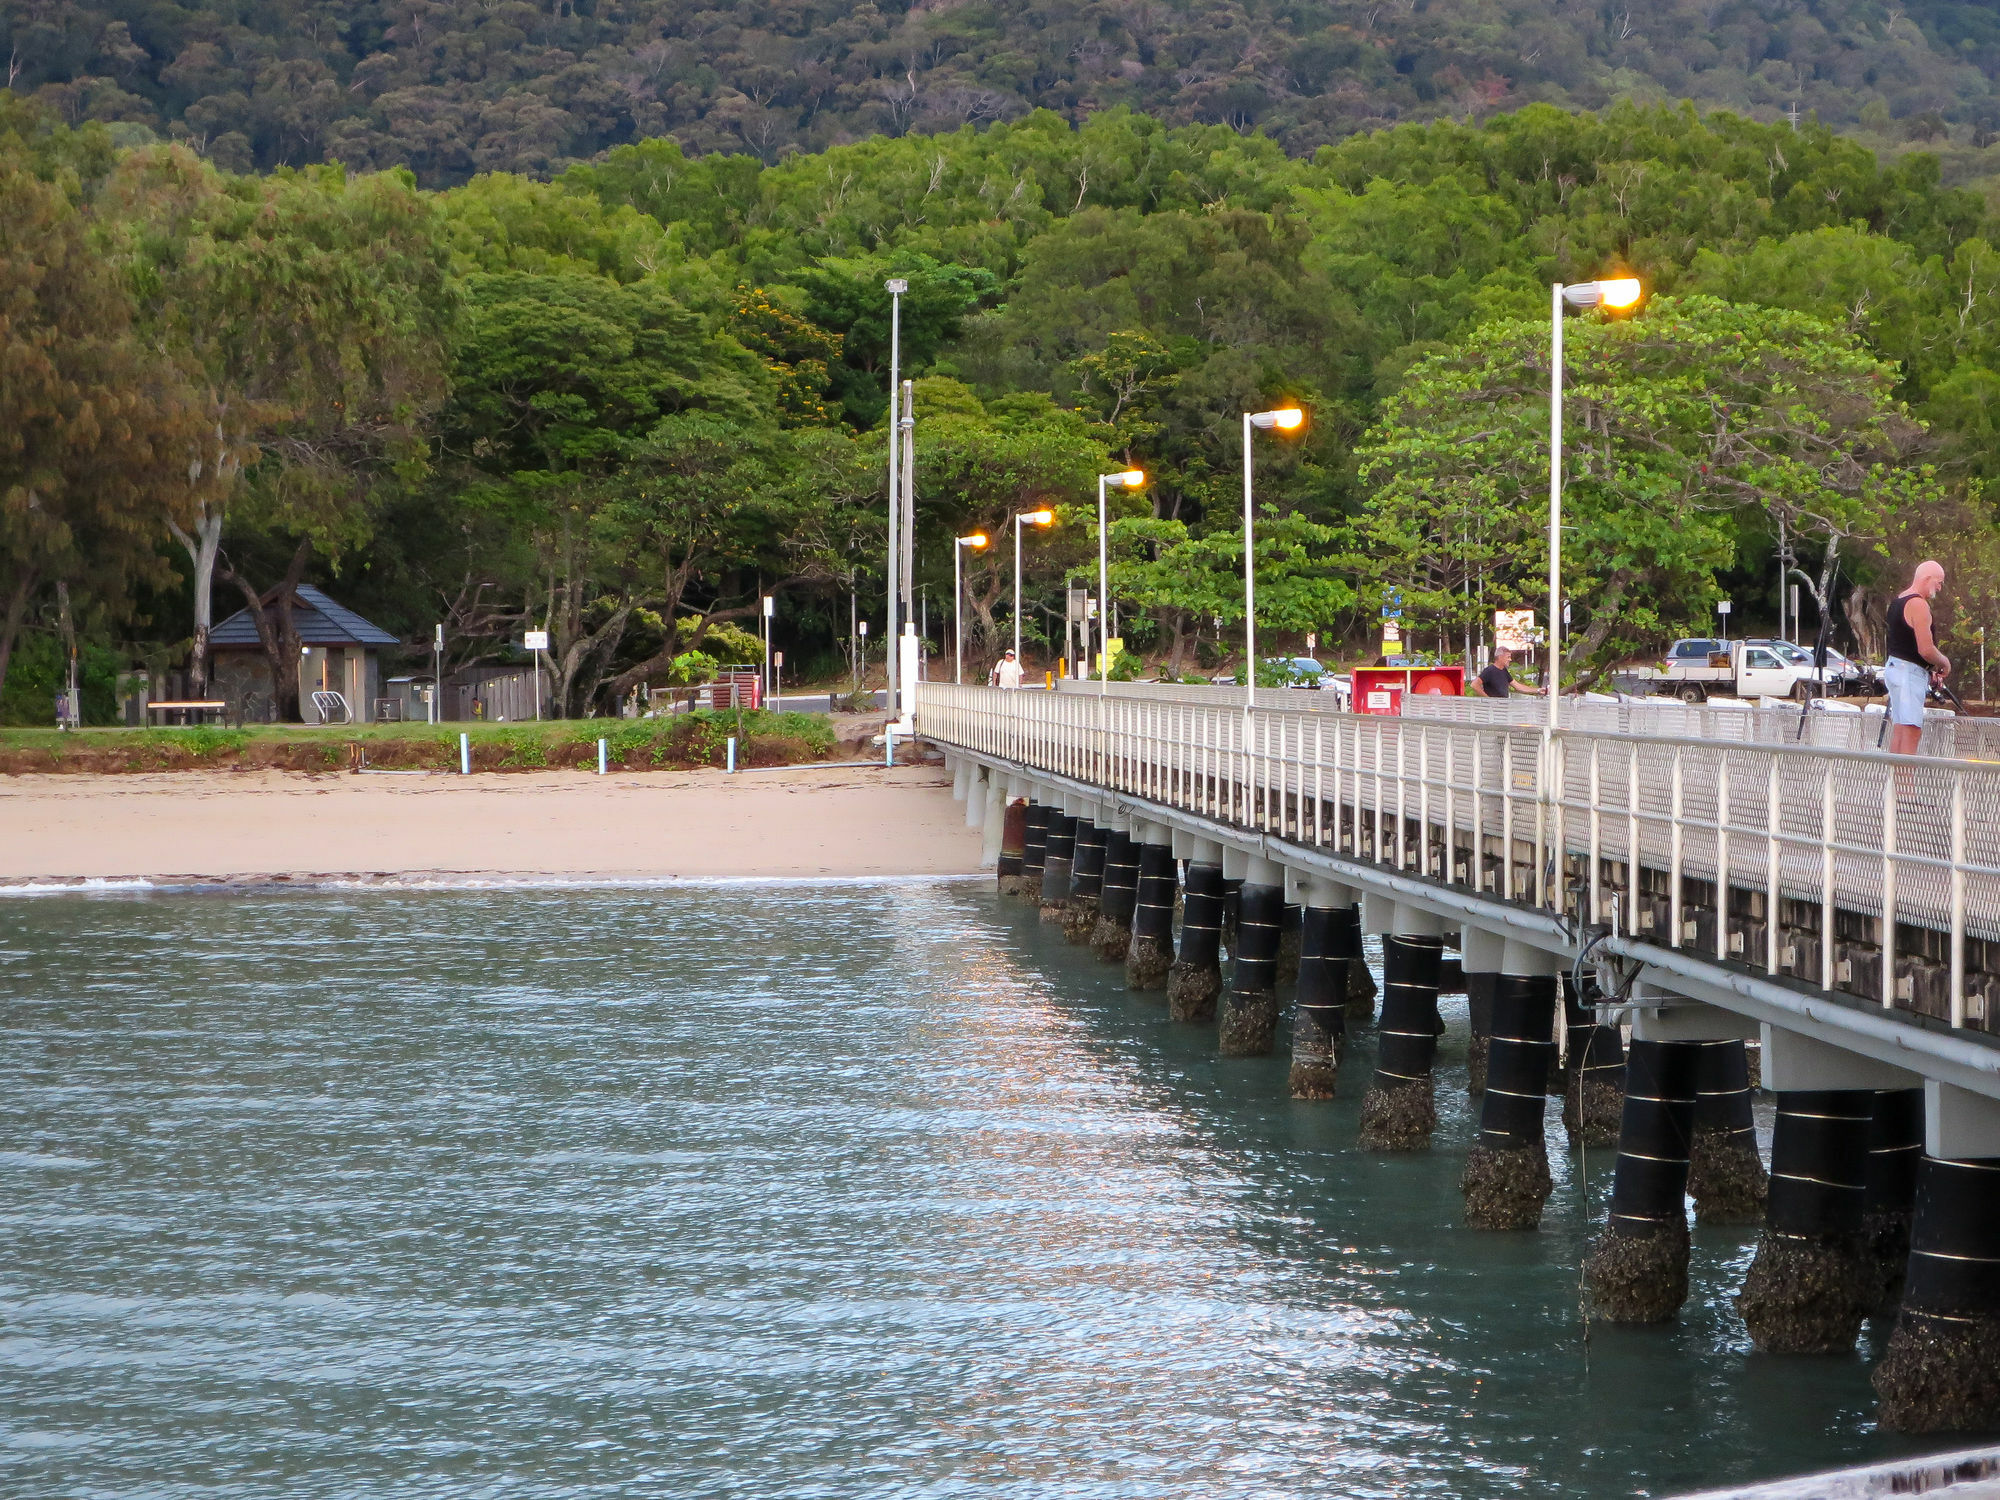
(624, 404)
(454, 87)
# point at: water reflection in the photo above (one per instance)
(876, 1190)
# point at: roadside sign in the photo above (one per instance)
(1723, 607)
(1513, 628)
(537, 640)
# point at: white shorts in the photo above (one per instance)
(1909, 683)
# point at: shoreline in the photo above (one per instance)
(274, 830)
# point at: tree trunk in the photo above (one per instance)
(202, 549)
(1868, 618)
(280, 640)
(10, 625)
(1177, 650)
(1602, 617)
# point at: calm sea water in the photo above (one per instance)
(864, 1190)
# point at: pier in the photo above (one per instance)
(1672, 895)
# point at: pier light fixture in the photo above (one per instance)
(1130, 479)
(1024, 518)
(1283, 419)
(977, 540)
(895, 287)
(1616, 294)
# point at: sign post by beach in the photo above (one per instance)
(537, 641)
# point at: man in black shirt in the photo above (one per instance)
(1497, 682)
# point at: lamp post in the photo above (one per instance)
(895, 288)
(977, 539)
(1284, 419)
(1619, 293)
(1129, 479)
(1024, 518)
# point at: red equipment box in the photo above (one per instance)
(1380, 690)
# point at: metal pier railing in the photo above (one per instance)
(1842, 869)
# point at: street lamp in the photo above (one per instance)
(1130, 479)
(895, 287)
(1024, 518)
(1284, 419)
(1617, 294)
(977, 539)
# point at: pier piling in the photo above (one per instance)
(1034, 852)
(1319, 1011)
(1941, 1371)
(1058, 855)
(1086, 890)
(1399, 1112)
(1013, 843)
(1152, 949)
(1726, 1178)
(1195, 980)
(1638, 1270)
(1806, 1291)
(1507, 1178)
(1593, 1070)
(1895, 1147)
(1249, 1006)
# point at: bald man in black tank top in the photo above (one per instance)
(1914, 658)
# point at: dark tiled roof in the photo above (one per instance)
(320, 622)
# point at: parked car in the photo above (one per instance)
(1842, 674)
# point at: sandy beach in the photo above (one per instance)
(254, 826)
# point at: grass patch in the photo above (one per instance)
(685, 740)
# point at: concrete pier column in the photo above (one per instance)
(961, 769)
(1400, 1112)
(1593, 1070)
(1195, 980)
(1806, 1292)
(1248, 1010)
(975, 795)
(1152, 950)
(1034, 852)
(1058, 854)
(1895, 1147)
(1086, 888)
(1111, 938)
(994, 827)
(1479, 955)
(1725, 1176)
(1637, 1271)
(1941, 1371)
(1319, 1011)
(1345, 935)
(1506, 1178)
(1013, 840)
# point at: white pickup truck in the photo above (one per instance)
(1696, 669)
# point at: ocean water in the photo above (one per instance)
(858, 1190)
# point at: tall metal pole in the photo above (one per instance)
(908, 424)
(1555, 500)
(1103, 596)
(896, 289)
(1017, 591)
(1249, 589)
(957, 612)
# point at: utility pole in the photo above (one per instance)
(895, 287)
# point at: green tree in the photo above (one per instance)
(1682, 423)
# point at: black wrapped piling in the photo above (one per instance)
(1152, 950)
(1346, 937)
(1806, 1291)
(1479, 1005)
(1195, 980)
(1248, 1008)
(1058, 856)
(1941, 1371)
(1034, 852)
(1086, 882)
(1013, 843)
(1111, 937)
(1593, 1071)
(1637, 1270)
(1725, 1177)
(1319, 1010)
(1895, 1147)
(1506, 1178)
(1399, 1111)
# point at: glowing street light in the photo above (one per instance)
(1284, 419)
(1618, 294)
(1024, 518)
(1131, 479)
(977, 539)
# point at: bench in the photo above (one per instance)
(187, 706)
